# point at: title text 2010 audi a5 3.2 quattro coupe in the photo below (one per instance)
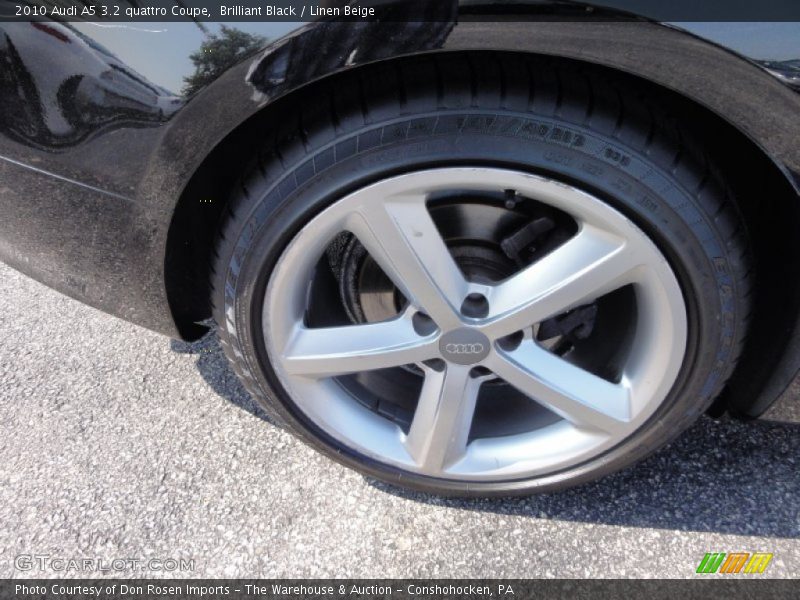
(483, 248)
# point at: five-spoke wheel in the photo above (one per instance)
(479, 286)
(457, 348)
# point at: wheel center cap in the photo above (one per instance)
(464, 346)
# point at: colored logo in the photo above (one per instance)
(734, 562)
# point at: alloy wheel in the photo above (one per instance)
(459, 378)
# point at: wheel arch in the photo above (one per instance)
(757, 150)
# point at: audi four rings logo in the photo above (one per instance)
(464, 348)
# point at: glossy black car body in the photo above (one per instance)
(118, 144)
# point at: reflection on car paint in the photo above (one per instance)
(81, 89)
(326, 47)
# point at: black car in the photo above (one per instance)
(488, 248)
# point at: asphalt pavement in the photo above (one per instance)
(118, 443)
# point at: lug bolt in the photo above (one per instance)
(423, 324)
(475, 306)
(511, 342)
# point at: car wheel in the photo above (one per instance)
(482, 275)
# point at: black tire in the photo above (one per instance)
(604, 134)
